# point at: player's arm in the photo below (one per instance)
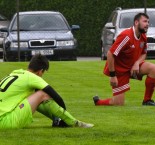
(56, 97)
(121, 42)
(110, 59)
(111, 67)
(141, 58)
(135, 68)
(37, 83)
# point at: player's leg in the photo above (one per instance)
(118, 92)
(115, 100)
(56, 121)
(40, 108)
(21, 116)
(118, 99)
(52, 108)
(48, 107)
(148, 69)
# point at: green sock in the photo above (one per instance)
(43, 110)
(50, 108)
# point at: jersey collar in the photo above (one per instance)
(135, 33)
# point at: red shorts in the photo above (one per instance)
(123, 81)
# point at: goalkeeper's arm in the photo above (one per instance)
(56, 97)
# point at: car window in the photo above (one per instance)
(126, 19)
(41, 22)
(152, 19)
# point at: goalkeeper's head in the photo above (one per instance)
(38, 63)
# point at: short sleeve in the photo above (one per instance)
(36, 82)
(121, 41)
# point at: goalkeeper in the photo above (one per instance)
(24, 91)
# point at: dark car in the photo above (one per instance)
(4, 22)
(44, 32)
(122, 19)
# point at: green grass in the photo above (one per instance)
(77, 83)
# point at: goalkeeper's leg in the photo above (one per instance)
(57, 122)
(54, 109)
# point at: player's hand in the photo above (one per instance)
(134, 70)
(114, 81)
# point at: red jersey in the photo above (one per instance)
(126, 50)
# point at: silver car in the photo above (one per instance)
(121, 19)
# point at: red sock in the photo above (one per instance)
(104, 102)
(149, 84)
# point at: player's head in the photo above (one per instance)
(38, 63)
(141, 22)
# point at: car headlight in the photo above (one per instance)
(22, 44)
(65, 43)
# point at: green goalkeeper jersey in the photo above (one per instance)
(17, 86)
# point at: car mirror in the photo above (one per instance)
(75, 27)
(3, 32)
(109, 26)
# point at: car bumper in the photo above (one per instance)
(58, 54)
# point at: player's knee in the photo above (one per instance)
(43, 95)
(118, 102)
(151, 68)
(121, 103)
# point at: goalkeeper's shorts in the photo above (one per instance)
(20, 117)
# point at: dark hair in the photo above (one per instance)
(138, 16)
(38, 62)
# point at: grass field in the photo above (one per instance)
(77, 83)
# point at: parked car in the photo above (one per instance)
(44, 32)
(4, 22)
(121, 19)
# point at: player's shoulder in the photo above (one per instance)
(126, 32)
(30, 74)
(33, 77)
(18, 72)
(23, 73)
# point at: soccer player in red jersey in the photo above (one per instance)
(125, 60)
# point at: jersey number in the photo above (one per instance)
(6, 82)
